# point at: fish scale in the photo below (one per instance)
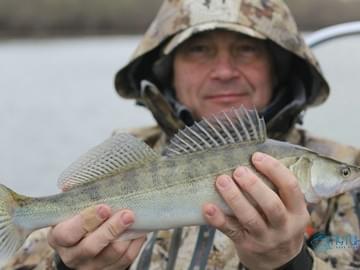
(168, 191)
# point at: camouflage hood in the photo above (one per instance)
(177, 20)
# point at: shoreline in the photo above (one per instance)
(72, 18)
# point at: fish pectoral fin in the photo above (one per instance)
(302, 168)
(115, 155)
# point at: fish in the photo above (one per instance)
(167, 189)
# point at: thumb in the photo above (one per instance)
(71, 231)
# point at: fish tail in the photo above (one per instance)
(12, 235)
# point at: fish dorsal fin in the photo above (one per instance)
(116, 154)
(230, 127)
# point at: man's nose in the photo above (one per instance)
(224, 67)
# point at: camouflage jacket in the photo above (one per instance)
(333, 236)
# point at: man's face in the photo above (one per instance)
(217, 70)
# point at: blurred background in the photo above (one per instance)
(57, 64)
(103, 17)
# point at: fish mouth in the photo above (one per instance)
(351, 185)
(327, 191)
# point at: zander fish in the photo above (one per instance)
(167, 191)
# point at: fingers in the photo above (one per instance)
(267, 200)
(109, 231)
(87, 239)
(95, 242)
(216, 218)
(255, 205)
(248, 217)
(118, 255)
(70, 232)
(127, 256)
(264, 224)
(111, 254)
(93, 216)
(286, 183)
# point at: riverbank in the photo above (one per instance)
(20, 18)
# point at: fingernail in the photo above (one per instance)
(258, 156)
(223, 182)
(102, 212)
(210, 211)
(127, 218)
(241, 171)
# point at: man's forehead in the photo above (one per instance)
(209, 34)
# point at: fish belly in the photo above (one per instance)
(171, 207)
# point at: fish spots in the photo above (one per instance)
(63, 198)
(93, 193)
(230, 158)
(22, 203)
(131, 182)
(171, 172)
(191, 172)
(154, 173)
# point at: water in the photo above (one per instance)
(57, 100)
(339, 117)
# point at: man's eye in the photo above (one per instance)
(198, 48)
(247, 48)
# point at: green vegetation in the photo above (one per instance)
(70, 17)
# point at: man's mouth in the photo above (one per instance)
(226, 97)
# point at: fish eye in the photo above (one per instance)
(345, 171)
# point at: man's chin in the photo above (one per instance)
(216, 108)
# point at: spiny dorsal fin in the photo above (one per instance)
(118, 153)
(230, 127)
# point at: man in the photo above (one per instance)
(205, 57)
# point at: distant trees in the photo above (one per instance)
(54, 17)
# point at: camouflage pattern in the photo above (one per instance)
(177, 20)
(154, 100)
(335, 217)
(35, 254)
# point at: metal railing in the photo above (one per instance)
(332, 32)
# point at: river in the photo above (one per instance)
(57, 100)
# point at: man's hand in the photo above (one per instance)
(271, 233)
(90, 239)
